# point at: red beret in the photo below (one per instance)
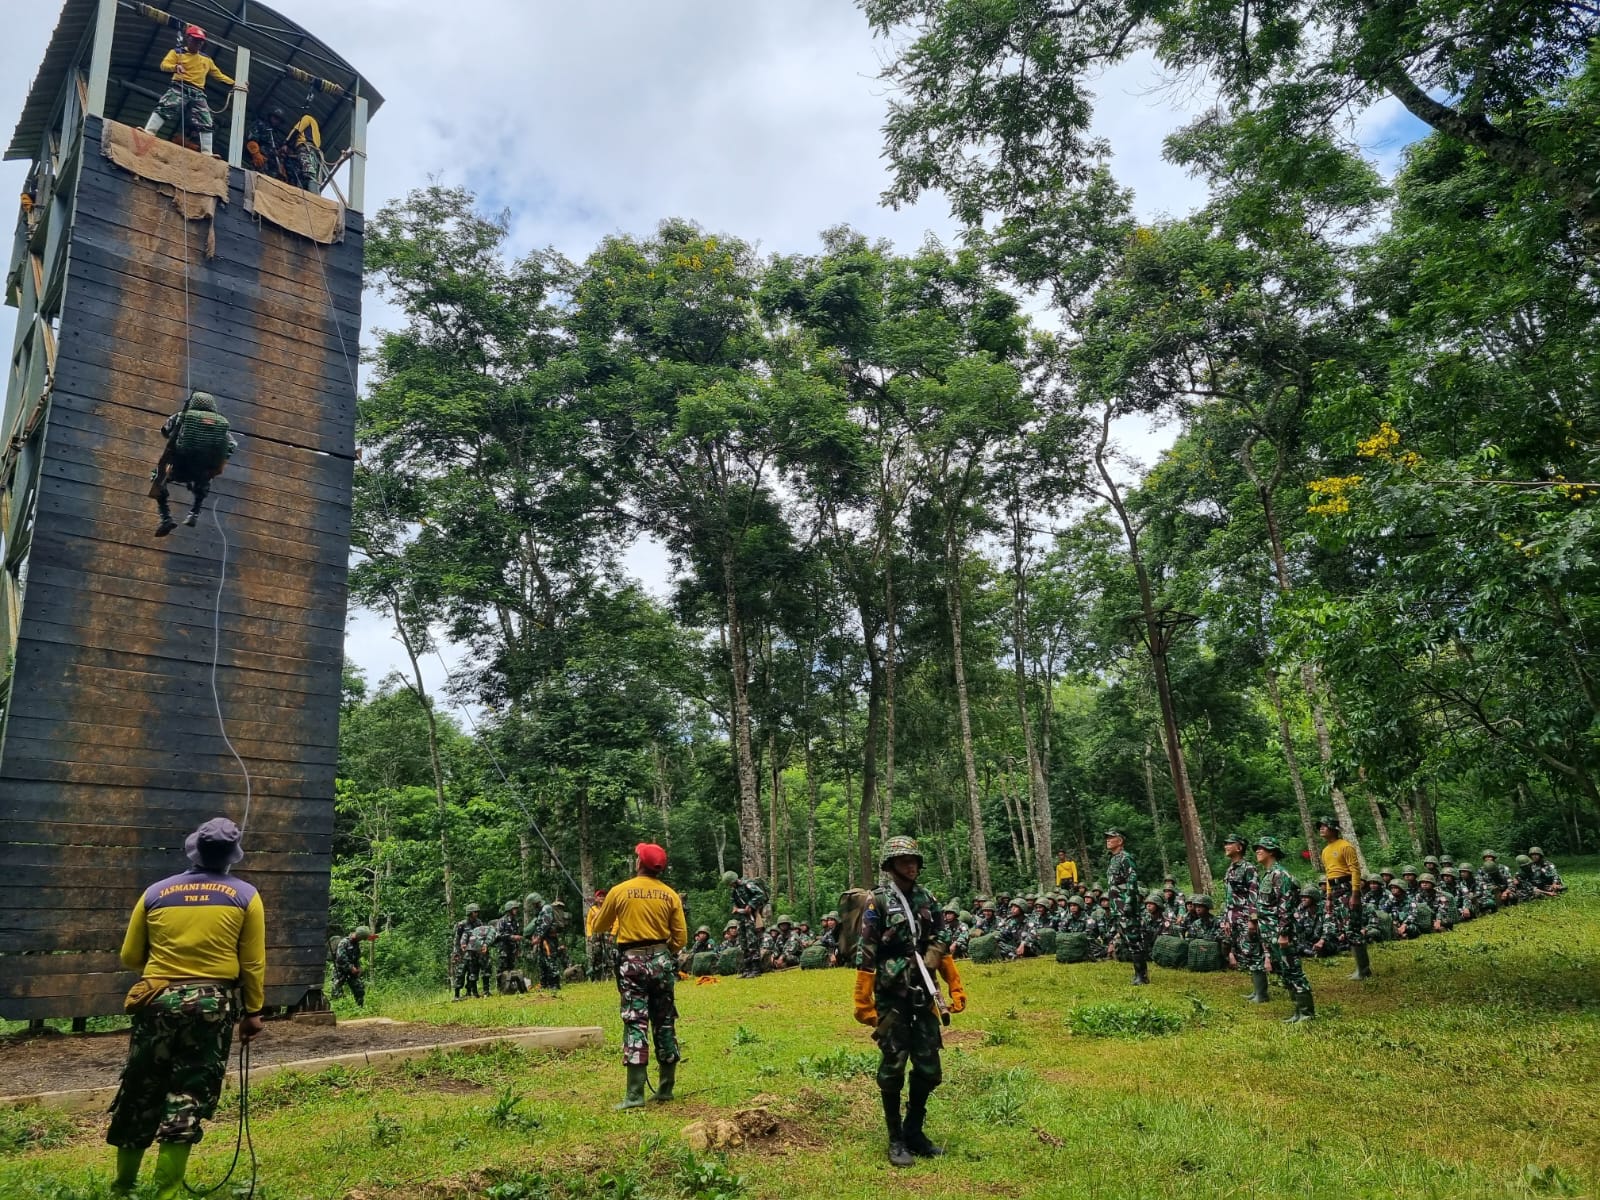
(651, 856)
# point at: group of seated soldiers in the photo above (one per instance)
(781, 945)
(1436, 899)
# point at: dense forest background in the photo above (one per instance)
(920, 587)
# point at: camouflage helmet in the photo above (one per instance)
(1430, 858)
(1369, 877)
(1396, 883)
(988, 906)
(966, 916)
(511, 906)
(1536, 850)
(730, 878)
(1488, 854)
(361, 931)
(831, 915)
(705, 929)
(1408, 869)
(730, 925)
(899, 847)
(1466, 868)
(950, 910)
(1078, 900)
(1268, 843)
(1325, 819)
(204, 401)
(1446, 860)
(1152, 901)
(1237, 839)
(1524, 861)
(1426, 877)
(1447, 869)
(786, 919)
(474, 907)
(1389, 871)
(533, 900)
(1204, 901)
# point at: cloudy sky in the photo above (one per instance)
(758, 118)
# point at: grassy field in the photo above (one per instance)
(1469, 1067)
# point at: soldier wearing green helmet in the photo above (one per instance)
(901, 953)
(1275, 904)
(1493, 876)
(347, 965)
(749, 898)
(458, 950)
(1122, 883)
(1546, 879)
(1240, 936)
(508, 948)
(782, 947)
(1202, 924)
(828, 938)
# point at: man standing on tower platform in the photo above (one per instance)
(190, 69)
(647, 918)
(198, 940)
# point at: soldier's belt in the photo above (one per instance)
(636, 947)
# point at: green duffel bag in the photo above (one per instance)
(728, 962)
(1204, 955)
(1046, 939)
(1170, 952)
(1385, 926)
(1424, 918)
(983, 949)
(1072, 947)
(813, 957)
(704, 963)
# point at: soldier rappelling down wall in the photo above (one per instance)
(198, 447)
(191, 69)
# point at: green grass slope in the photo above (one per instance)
(1468, 1068)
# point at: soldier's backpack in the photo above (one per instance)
(201, 440)
(1072, 947)
(704, 963)
(985, 949)
(852, 905)
(1046, 940)
(813, 958)
(1205, 955)
(728, 962)
(1170, 952)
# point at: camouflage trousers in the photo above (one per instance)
(749, 944)
(356, 984)
(475, 969)
(173, 102)
(1246, 947)
(1285, 960)
(177, 1059)
(602, 958)
(1352, 925)
(907, 1034)
(646, 980)
(547, 958)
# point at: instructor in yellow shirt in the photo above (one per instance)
(1342, 866)
(185, 100)
(647, 917)
(1066, 869)
(198, 940)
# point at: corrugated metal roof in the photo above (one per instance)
(136, 80)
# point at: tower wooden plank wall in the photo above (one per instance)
(112, 751)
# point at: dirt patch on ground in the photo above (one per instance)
(963, 1037)
(58, 1062)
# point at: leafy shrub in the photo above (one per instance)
(1006, 1096)
(1139, 1019)
(708, 1178)
(33, 1129)
(743, 1036)
(503, 1114)
(386, 1131)
(839, 1064)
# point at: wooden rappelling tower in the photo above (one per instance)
(142, 269)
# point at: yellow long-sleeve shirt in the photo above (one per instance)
(644, 910)
(192, 68)
(201, 925)
(1066, 872)
(1339, 861)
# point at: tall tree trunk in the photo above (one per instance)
(1308, 671)
(524, 856)
(1286, 737)
(860, 863)
(663, 788)
(1410, 819)
(979, 843)
(720, 835)
(752, 853)
(1155, 642)
(1017, 852)
(890, 649)
(585, 846)
(811, 832)
(788, 839)
(1429, 820)
(1037, 790)
(1378, 822)
(869, 769)
(441, 808)
(1155, 813)
(772, 812)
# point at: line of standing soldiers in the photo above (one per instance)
(484, 951)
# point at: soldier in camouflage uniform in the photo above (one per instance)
(1174, 907)
(701, 944)
(479, 956)
(1522, 887)
(1016, 937)
(1428, 893)
(1451, 895)
(782, 947)
(347, 965)
(1203, 924)
(508, 946)
(984, 919)
(748, 900)
(542, 936)
(1409, 922)
(1546, 879)
(1240, 935)
(1309, 915)
(1122, 885)
(458, 948)
(185, 934)
(1076, 921)
(1155, 924)
(1276, 900)
(647, 918)
(900, 950)
(828, 939)
(198, 447)
(956, 931)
